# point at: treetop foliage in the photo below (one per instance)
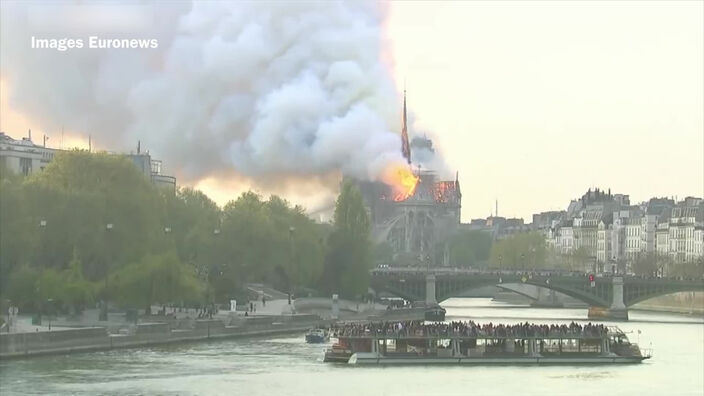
(55, 242)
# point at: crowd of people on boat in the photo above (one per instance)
(467, 329)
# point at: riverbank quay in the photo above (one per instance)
(697, 312)
(156, 330)
(686, 303)
(71, 340)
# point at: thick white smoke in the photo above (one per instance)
(264, 89)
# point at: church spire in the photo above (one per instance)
(405, 147)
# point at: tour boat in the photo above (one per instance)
(317, 336)
(610, 346)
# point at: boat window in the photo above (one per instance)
(444, 343)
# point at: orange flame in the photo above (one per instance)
(402, 181)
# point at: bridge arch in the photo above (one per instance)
(610, 294)
(638, 292)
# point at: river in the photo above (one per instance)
(287, 366)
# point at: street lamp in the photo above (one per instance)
(42, 227)
(291, 231)
(523, 261)
(104, 309)
(50, 304)
(216, 233)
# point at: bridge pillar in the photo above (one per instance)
(335, 307)
(617, 299)
(546, 298)
(430, 289)
(617, 310)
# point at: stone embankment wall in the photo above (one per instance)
(147, 334)
(685, 302)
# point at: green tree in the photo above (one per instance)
(77, 195)
(50, 217)
(160, 279)
(78, 292)
(519, 251)
(21, 287)
(470, 248)
(190, 222)
(348, 258)
(18, 238)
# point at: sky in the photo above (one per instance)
(531, 102)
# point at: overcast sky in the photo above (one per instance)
(534, 102)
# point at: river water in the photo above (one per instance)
(287, 366)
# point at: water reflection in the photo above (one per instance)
(288, 366)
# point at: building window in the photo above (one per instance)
(156, 167)
(26, 166)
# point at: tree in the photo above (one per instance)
(383, 253)
(470, 248)
(690, 269)
(519, 251)
(646, 265)
(17, 241)
(78, 292)
(348, 258)
(580, 260)
(21, 287)
(77, 195)
(158, 278)
(191, 219)
(48, 218)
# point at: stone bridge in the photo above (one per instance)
(608, 296)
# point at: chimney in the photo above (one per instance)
(30, 135)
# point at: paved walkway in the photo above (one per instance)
(273, 307)
(89, 318)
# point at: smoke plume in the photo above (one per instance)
(264, 90)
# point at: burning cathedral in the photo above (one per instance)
(414, 211)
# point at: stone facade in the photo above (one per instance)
(609, 229)
(417, 228)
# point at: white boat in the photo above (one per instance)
(605, 347)
(317, 336)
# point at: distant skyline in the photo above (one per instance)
(532, 102)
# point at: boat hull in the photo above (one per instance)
(336, 358)
(374, 359)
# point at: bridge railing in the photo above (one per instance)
(465, 271)
(515, 272)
